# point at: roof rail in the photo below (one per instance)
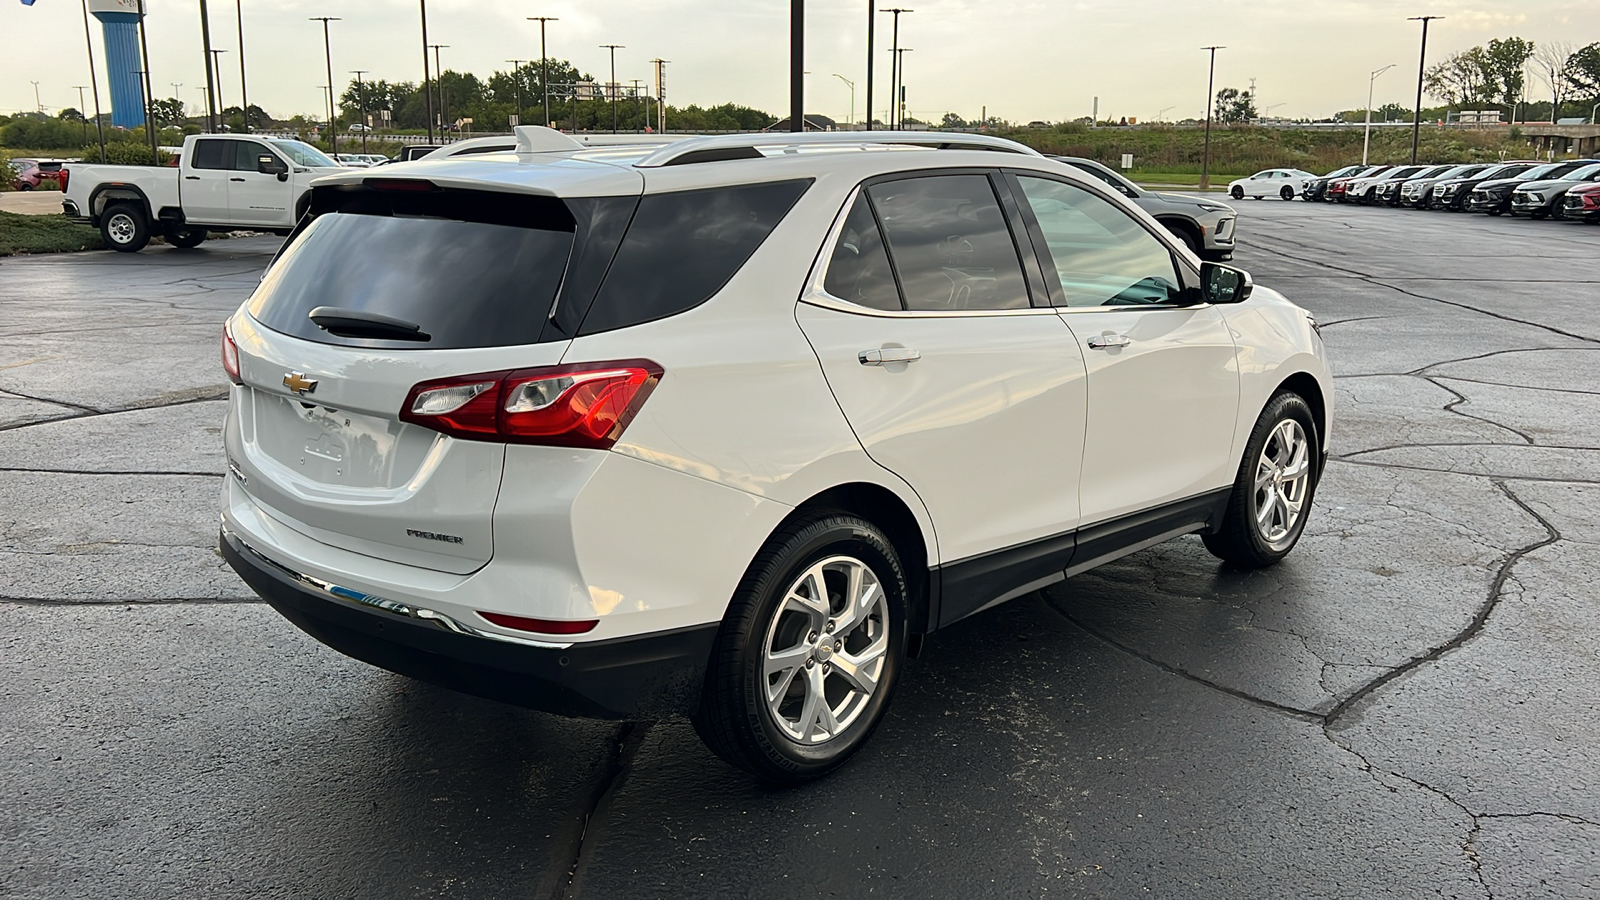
(729, 146)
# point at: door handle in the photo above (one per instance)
(236, 179)
(1107, 341)
(888, 355)
(191, 178)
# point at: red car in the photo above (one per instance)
(1583, 204)
(32, 173)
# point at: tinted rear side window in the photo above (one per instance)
(213, 154)
(682, 247)
(471, 269)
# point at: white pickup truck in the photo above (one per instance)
(222, 183)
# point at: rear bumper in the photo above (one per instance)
(645, 677)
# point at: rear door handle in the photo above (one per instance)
(1107, 341)
(191, 178)
(888, 355)
(236, 179)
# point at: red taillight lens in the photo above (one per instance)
(230, 355)
(583, 405)
(540, 626)
(62, 177)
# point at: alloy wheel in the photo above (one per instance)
(1283, 476)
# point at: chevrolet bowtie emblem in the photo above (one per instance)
(299, 383)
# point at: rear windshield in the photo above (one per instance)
(468, 269)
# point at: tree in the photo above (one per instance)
(1550, 63)
(1463, 79)
(1503, 63)
(167, 112)
(1583, 72)
(1235, 107)
(951, 120)
(70, 115)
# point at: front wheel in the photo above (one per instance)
(808, 654)
(1271, 498)
(124, 228)
(1286, 192)
(1236, 192)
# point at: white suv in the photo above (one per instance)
(725, 427)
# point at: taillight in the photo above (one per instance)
(541, 626)
(62, 177)
(230, 355)
(582, 405)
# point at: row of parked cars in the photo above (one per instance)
(1557, 190)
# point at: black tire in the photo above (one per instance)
(1236, 192)
(124, 228)
(1240, 540)
(1189, 240)
(25, 186)
(184, 238)
(1286, 192)
(1495, 212)
(735, 719)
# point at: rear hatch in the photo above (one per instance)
(407, 284)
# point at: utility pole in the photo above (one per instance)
(212, 109)
(1366, 139)
(894, 71)
(149, 91)
(852, 85)
(900, 93)
(872, 21)
(611, 88)
(361, 100)
(426, 87)
(544, 67)
(516, 75)
(661, 93)
(244, 91)
(1422, 62)
(327, 51)
(438, 79)
(1211, 83)
(216, 66)
(85, 116)
(38, 105)
(797, 66)
(635, 98)
(88, 41)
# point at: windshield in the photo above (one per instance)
(1538, 172)
(303, 154)
(1584, 174)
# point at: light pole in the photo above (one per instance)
(1162, 115)
(361, 101)
(427, 89)
(1592, 111)
(544, 65)
(894, 61)
(216, 65)
(797, 67)
(244, 92)
(327, 53)
(516, 75)
(38, 105)
(661, 93)
(438, 79)
(81, 114)
(852, 86)
(1366, 139)
(900, 92)
(88, 42)
(213, 109)
(1211, 82)
(872, 21)
(611, 88)
(1422, 62)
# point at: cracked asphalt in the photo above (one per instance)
(1406, 707)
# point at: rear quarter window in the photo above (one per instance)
(683, 246)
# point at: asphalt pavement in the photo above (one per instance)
(1406, 707)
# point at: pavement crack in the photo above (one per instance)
(1462, 398)
(177, 474)
(1473, 628)
(610, 778)
(136, 601)
(65, 403)
(183, 398)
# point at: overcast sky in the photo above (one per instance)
(1023, 60)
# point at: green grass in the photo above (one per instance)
(45, 234)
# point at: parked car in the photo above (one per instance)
(716, 429)
(415, 151)
(223, 183)
(358, 128)
(1452, 194)
(1285, 184)
(36, 174)
(353, 160)
(1205, 226)
(1388, 192)
(1317, 188)
(1337, 186)
(1543, 198)
(1582, 204)
(1493, 196)
(1361, 190)
(1416, 192)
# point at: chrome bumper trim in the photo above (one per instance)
(393, 607)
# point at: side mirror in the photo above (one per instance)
(267, 164)
(1224, 284)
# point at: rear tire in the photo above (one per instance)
(124, 228)
(1272, 494)
(781, 701)
(1286, 192)
(25, 186)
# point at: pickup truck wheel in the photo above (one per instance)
(124, 228)
(809, 651)
(185, 238)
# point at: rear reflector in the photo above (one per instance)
(230, 355)
(540, 626)
(583, 405)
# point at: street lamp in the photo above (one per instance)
(1366, 139)
(872, 21)
(544, 65)
(900, 92)
(516, 75)
(1162, 115)
(88, 42)
(611, 88)
(38, 105)
(852, 85)
(894, 61)
(438, 79)
(427, 89)
(244, 92)
(81, 114)
(327, 51)
(361, 100)
(216, 65)
(1211, 82)
(1422, 62)
(213, 108)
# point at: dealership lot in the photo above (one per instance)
(1405, 707)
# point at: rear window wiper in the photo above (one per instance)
(356, 323)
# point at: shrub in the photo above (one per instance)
(43, 134)
(127, 153)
